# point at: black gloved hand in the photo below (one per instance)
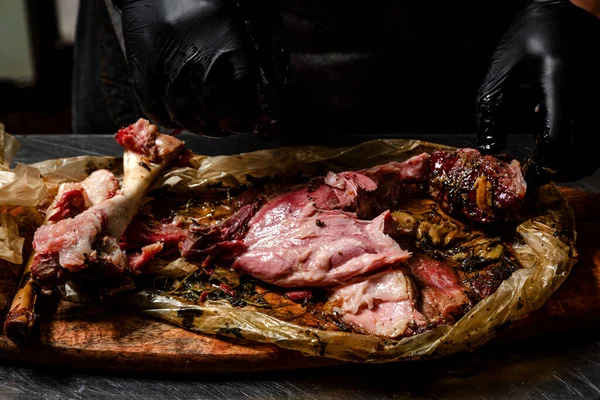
(212, 67)
(555, 44)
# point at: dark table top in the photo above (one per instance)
(565, 366)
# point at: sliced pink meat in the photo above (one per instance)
(72, 240)
(69, 203)
(443, 297)
(224, 240)
(315, 247)
(382, 304)
(75, 197)
(299, 295)
(308, 237)
(413, 170)
(347, 186)
(138, 260)
(145, 230)
(305, 238)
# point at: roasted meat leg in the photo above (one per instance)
(87, 219)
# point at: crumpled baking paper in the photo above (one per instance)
(11, 244)
(546, 251)
(20, 187)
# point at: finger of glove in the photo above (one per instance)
(491, 136)
(148, 96)
(556, 85)
(231, 89)
(275, 65)
(267, 32)
(213, 102)
(557, 149)
(187, 104)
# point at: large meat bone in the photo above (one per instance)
(20, 319)
(139, 172)
(147, 154)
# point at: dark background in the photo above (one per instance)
(445, 51)
(45, 105)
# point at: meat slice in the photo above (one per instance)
(382, 304)
(75, 197)
(321, 234)
(69, 202)
(443, 298)
(92, 236)
(335, 191)
(145, 230)
(316, 247)
(224, 240)
(413, 170)
(481, 188)
(393, 181)
(138, 260)
(419, 295)
(308, 236)
(71, 240)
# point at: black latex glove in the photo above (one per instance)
(212, 67)
(554, 46)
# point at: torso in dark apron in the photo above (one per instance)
(389, 66)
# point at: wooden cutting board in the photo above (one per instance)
(77, 336)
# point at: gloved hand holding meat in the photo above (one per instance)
(551, 47)
(212, 67)
(389, 251)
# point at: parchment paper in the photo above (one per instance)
(546, 251)
(21, 190)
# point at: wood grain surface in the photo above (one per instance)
(70, 334)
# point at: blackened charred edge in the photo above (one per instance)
(25, 279)
(321, 346)
(145, 166)
(150, 295)
(229, 331)
(90, 167)
(520, 303)
(17, 329)
(187, 316)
